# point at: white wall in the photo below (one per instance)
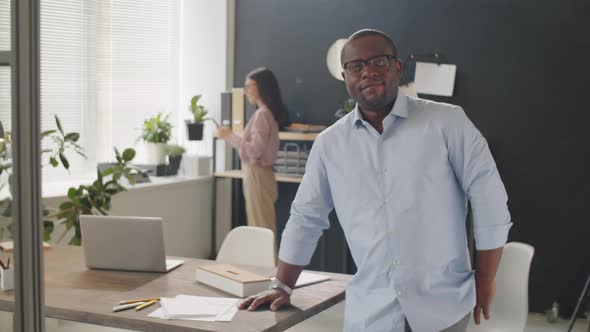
(183, 204)
(206, 62)
(203, 61)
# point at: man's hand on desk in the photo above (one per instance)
(277, 299)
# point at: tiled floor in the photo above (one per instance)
(537, 323)
(327, 321)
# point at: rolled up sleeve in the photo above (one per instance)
(251, 146)
(477, 173)
(309, 211)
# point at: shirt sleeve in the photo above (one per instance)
(476, 171)
(234, 140)
(252, 147)
(309, 211)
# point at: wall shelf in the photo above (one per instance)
(237, 174)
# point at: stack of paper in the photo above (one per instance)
(188, 307)
(306, 279)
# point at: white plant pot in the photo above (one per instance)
(154, 153)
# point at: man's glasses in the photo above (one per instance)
(380, 62)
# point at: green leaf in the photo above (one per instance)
(99, 175)
(66, 205)
(48, 132)
(48, 227)
(72, 193)
(74, 137)
(70, 222)
(64, 161)
(128, 154)
(76, 241)
(85, 203)
(118, 155)
(58, 124)
(128, 176)
(107, 172)
(53, 162)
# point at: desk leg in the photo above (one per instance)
(214, 203)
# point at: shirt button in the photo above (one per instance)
(399, 293)
(396, 262)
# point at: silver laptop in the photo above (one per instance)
(125, 243)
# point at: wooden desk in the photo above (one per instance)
(72, 292)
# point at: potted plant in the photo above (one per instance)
(155, 134)
(63, 143)
(195, 128)
(95, 198)
(174, 153)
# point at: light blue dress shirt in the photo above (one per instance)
(401, 198)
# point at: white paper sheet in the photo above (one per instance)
(435, 79)
(187, 307)
(306, 278)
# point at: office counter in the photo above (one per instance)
(72, 292)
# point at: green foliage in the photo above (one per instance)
(63, 141)
(156, 129)
(199, 112)
(5, 158)
(95, 198)
(174, 150)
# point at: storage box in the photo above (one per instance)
(232, 280)
(6, 279)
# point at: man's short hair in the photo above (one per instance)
(369, 32)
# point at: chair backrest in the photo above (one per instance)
(510, 306)
(248, 245)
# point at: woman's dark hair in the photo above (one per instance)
(270, 93)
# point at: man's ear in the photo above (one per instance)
(398, 65)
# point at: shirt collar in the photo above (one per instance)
(400, 108)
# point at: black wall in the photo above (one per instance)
(523, 72)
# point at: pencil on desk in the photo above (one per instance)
(127, 306)
(139, 300)
(145, 305)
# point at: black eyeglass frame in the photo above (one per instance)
(389, 57)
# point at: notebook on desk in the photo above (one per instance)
(125, 243)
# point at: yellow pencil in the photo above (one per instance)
(145, 305)
(139, 300)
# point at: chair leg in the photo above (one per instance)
(584, 294)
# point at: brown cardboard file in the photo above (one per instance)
(231, 279)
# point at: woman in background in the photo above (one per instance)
(258, 146)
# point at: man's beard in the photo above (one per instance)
(374, 103)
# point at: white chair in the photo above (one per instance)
(248, 245)
(510, 307)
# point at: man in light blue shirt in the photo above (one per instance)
(399, 172)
